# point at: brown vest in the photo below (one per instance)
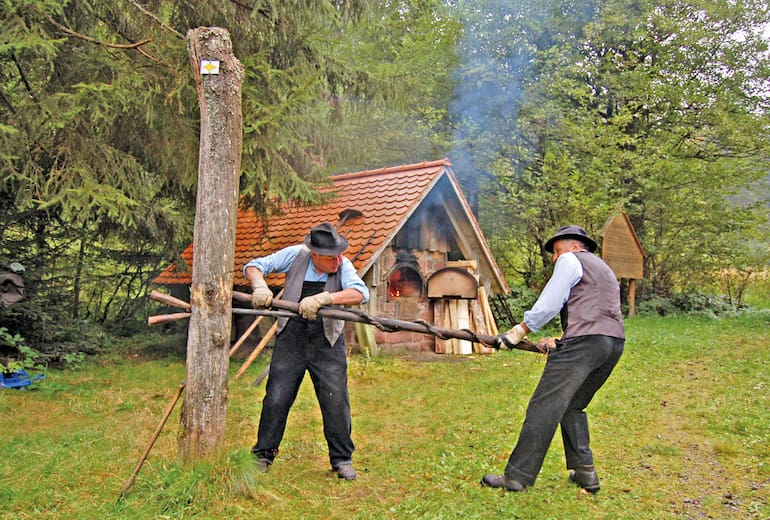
(295, 277)
(593, 306)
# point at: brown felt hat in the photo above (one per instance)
(324, 240)
(574, 232)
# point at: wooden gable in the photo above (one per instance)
(621, 248)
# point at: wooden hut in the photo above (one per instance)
(413, 240)
(623, 252)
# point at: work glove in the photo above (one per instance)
(512, 337)
(261, 295)
(309, 306)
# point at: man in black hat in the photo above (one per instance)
(585, 291)
(316, 275)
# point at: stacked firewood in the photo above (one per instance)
(471, 314)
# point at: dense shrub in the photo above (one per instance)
(48, 333)
(687, 303)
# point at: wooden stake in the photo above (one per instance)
(257, 350)
(139, 464)
(262, 375)
(244, 336)
(631, 298)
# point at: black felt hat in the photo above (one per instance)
(571, 231)
(324, 240)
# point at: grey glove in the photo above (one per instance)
(261, 295)
(309, 306)
(512, 337)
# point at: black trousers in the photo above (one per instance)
(572, 375)
(301, 346)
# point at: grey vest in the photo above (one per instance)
(295, 277)
(593, 306)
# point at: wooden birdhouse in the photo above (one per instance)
(623, 252)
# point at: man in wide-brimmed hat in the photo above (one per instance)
(316, 275)
(586, 292)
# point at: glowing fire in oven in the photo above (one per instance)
(404, 282)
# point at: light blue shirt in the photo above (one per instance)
(280, 261)
(566, 274)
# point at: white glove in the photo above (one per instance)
(261, 296)
(309, 306)
(512, 337)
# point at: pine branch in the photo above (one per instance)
(158, 20)
(23, 77)
(98, 42)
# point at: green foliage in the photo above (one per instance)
(551, 113)
(520, 299)
(694, 303)
(99, 126)
(93, 197)
(758, 295)
(44, 335)
(645, 106)
(26, 358)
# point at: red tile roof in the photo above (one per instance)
(386, 197)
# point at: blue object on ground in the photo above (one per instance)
(18, 379)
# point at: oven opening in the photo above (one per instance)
(404, 282)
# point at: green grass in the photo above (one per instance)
(758, 294)
(681, 430)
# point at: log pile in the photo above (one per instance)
(471, 314)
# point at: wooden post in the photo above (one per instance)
(631, 297)
(218, 78)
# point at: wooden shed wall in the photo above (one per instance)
(620, 249)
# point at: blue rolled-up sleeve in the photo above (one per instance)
(566, 274)
(278, 262)
(350, 279)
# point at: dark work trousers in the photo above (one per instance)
(572, 375)
(302, 346)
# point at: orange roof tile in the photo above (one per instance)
(386, 197)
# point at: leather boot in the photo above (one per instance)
(263, 464)
(346, 471)
(586, 478)
(501, 481)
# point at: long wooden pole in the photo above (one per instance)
(392, 325)
(143, 458)
(386, 324)
(245, 335)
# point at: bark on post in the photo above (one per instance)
(219, 78)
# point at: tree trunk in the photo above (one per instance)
(219, 163)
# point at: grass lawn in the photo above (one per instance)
(681, 430)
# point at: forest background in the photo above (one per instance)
(551, 113)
